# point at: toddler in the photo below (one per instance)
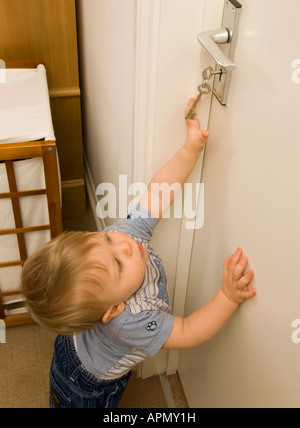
(105, 294)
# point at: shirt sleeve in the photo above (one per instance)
(147, 331)
(139, 224)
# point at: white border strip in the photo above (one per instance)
(167, 391)
(147, 19)
(91, 192)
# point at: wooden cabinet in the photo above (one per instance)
(46, 30)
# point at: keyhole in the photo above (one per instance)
(220, 76)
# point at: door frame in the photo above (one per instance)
(147, 43)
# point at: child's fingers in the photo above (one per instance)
(239, 268)
(193, 122)
(231, 261)
(205, 134)
(226, 263)
(235, 258)
(248, 294)
(235, 281)
(189, 105)
(245, 279)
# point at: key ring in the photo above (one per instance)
(204, 88)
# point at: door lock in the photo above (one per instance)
(221, 44)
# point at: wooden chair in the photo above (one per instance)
(9, 153)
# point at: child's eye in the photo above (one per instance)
(107, 238)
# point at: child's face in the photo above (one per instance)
(125, 260)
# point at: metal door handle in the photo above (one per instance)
(210, 40)
(221, 44)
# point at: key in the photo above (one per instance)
(203, 89)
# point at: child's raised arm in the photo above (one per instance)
(176, 171)
(204, 323)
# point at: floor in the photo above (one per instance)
(24, 364)
(25, 359)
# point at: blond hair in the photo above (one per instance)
(62, 287)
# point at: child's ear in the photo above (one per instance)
(113, 312)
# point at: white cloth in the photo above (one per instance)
(25, 113)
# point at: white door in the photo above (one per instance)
(252, 176)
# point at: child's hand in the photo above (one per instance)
(235, 281)
(196, 139)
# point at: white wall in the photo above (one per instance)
(106, 52)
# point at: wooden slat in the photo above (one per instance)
(52, 187)
(10, 293)
(22, 193)
(12, 263)
(24, 150)
(64, 92)
(18, 319)
(16, 208)
(24, 229)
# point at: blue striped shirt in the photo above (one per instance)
(111, 350)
